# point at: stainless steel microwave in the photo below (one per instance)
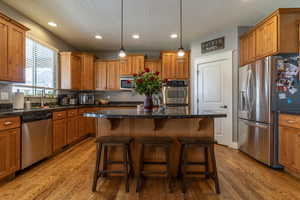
(126, 83)
(176, 92)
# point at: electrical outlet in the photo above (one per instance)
(4, 96)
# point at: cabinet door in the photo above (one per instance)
(270, 36)
(182, 67)
(75, 72)
(81, 127)
(87, 76)
(3, 54)
(9, 152)
(153, 65)
(169, 65)
(113, 75)
(289, 147)
(16, 53)
(137, 63)
(125, 67)
(90, 124)
(59, 134)
(251, 46)
(101, 75)
(72, 129)
(259, 34)
(243, 47)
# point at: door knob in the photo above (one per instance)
(223, 106)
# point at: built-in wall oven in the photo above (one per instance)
(176, 92)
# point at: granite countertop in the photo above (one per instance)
(168, 113)
(11, 112)
(292, 112)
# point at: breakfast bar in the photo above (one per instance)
(173, 122)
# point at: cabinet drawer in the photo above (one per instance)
(72, 113)
(292, 121)
(9, 123)
(81, 111)
(59, 115)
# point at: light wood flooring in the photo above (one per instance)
(68, 176)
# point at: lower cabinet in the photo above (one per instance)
(9, 151)
(59, 134)
(72, 129)
(289, 142)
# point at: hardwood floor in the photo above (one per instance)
(69, 176)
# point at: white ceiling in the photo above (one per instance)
(80, 20)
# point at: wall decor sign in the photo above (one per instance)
(213, 45)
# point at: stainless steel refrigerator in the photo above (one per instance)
(257, 133)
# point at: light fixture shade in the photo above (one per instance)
(180, 52)
(122, 53)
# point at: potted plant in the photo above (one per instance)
(147, 83)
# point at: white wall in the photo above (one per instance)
(231, 43)
(36, 30)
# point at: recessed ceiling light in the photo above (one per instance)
(53, 24)
(99, 37)
(174, 35)
(135, 36)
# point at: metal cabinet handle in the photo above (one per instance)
(290, 121)
(7, 123)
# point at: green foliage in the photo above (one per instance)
(147, 83)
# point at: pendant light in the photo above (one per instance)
(122, 53)
(180, 52)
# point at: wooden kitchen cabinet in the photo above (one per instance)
(101, 75)
(289, 142)
(12, 44)
(154, 65)
(9, 151)
(174, 68)
(59, 134)
(132, 64)
(277, 33)
(113, 76)
(70, 71)
(87, 72)
(72, 129)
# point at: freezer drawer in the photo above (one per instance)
(256, 140)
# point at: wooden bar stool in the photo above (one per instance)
(208, 145)
(154, 141)
(105, 142)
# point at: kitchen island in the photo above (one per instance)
(172, 122)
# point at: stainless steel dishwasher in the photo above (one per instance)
(36, 137)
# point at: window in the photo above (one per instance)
(41, 67)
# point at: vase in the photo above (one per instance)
(148, 103)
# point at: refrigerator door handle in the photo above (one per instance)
(259, 125)
(247, 96)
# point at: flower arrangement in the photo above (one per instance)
(147, 83)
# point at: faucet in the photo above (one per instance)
(42, 97)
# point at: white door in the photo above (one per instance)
(214, 91)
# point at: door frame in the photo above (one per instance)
(227, 55)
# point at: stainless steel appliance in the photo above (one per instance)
(257, 132)
(175, 92)
(36, 137)
(86, 99)
(126, 83)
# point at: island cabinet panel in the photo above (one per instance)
(174, 67)
(289, 142)
(87, 72)
(70, 71)
(101, 75)
(113, 75)
(9, 152)
(59, 134)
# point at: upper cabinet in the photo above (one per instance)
(113, 74)
(70, 70)
(12, 44)
(174, 67)
(87, 72)
(101, 75)
(77, 71)
(276, 34)
(154, 65)
(132, 64)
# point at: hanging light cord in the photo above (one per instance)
(122, 24)
(181, 24)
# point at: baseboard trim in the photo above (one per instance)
(234, 145)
